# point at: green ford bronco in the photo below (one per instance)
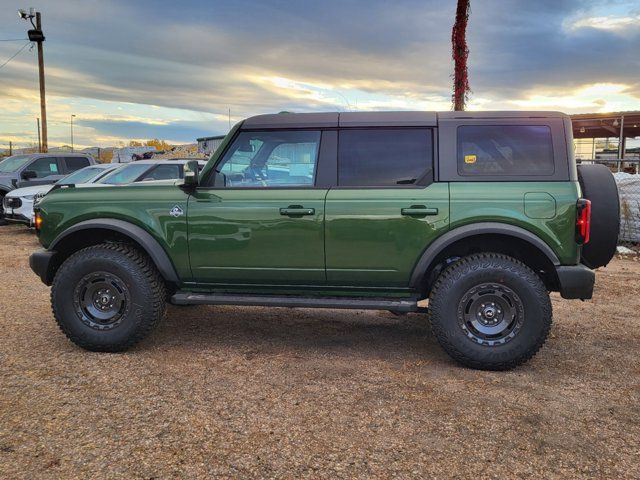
(471, 218)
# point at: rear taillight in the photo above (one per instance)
(583, 221)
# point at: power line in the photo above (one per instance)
(13, 39)
(15, 54)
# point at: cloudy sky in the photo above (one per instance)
(172, 70)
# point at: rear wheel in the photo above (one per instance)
(490, 311)
(108, 297)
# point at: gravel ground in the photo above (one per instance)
(260, 393)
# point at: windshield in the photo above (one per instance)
(81, 176)
(13, 163)
(126, 174)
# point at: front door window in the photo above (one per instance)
(45, 167)
(271, 159)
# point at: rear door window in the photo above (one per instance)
(504, 150)
(385, 157)
(76, 163)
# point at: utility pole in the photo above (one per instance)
(39, 144)
(72, 117)
(43, 102)
(10, 148)
(37, 36)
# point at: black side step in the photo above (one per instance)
(360, 303)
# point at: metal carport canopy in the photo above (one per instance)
(605, 125)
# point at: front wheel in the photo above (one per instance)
(490, 311)
(108, 297)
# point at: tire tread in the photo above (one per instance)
(146, 267)
(490, 260)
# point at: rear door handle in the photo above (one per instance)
(297, 211)
(418, 211)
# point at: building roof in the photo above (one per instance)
(603, 125)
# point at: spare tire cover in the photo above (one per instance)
(599, 186)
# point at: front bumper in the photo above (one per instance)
(17, 218)
(576, 281)
(42, 262)
(18, 210)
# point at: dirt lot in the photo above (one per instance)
(253, 392)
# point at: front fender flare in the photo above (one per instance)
(136, 233)
(442, 242)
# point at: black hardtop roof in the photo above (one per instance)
(378, 119)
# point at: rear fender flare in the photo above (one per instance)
(459, 233)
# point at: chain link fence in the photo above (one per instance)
(627, 175)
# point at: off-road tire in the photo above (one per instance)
(447, 300)
(134, 271)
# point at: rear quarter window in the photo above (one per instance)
(504, 150)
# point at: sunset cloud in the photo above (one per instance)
(173, 70)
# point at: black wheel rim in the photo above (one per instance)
(490, 314)
(101, 300)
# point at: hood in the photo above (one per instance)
(23, 192)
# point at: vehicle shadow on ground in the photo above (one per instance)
(298, 332)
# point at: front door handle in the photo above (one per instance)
(418, 211)
(297, 211)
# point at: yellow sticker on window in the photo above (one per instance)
(469, 159)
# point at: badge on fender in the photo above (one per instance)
(176, 211)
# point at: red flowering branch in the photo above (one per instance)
(460, 53)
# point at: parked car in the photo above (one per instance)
(18, 204)
(147, 170)
(481, 214)
(38, 169)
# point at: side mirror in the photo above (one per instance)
(191, 176)
(28, 175)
